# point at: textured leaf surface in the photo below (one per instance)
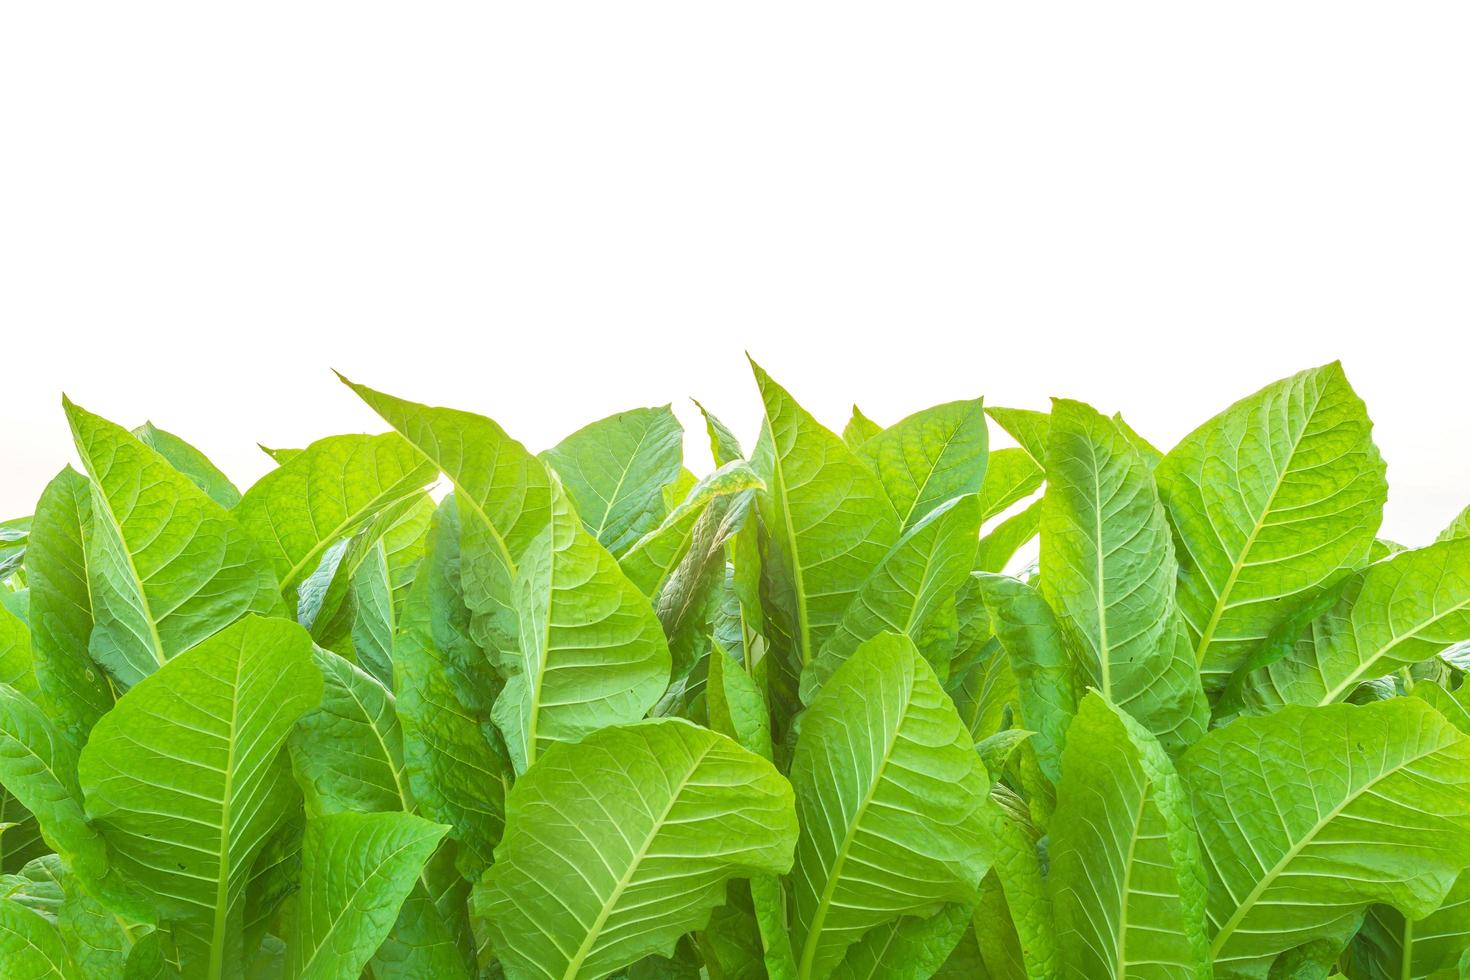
(325, 493)
(30, 947)
(592, 651)
(1309, 815)
(888, 790)
(930, 457)
(1125, 874)
(617, 845)
(828, 522)
(1028, 427)
(1011, 475)
(1108, 570)
(1406, 609)
(189, 461)
(859, 429)
(75, 691)
(910, 948)
(168, 566)
(1002, 542)
(356, 870)
(615, 470)
(652, 559)
(1277, 496)
(185, 777)
(911, 591)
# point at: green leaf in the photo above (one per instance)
(356, 871)
(724, 447)
(1012, 475)
(432, 939)
(999, 546)
(456, 775)
(1030, 428)
(190, 462)
(930, 457)
(381, 583)
(1388, 945)
(31, 948)
(652, 559)
(1277, 496)
(1309, 815)
(75, 691)
(1125, 877)
(592, 652)
(888, 790)
(1108, 571)
(911, 591)
(1046, 682)
(910, 948)
(618, 844)
(859, 429)
(1458, 528)
(13, 537)
(1151, 455)
(168, 567)
(1405, 609)
(325, 493)
(1014, 925)
(347, 752)
(185, 778)
(615, 470)
(16, 668)
(827, 520)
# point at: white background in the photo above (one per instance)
(548, 212)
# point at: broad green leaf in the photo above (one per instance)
(152, 958)
(168, 567)
(724, 447)
(930, 457)
(347, 752)
(592, 651)
(75, 691)
(827, 522)
(1028, 427)
(1458, 528)
(980, 680)
(859, 429)
(1046, 681)
(674, 492)
(1012, 475)
(618, 844)
(31, 947)
(356, 871)
(1125, 877)
(455, 773)
(1275, 497)
(998, 547)
(1108, 571)
(1309, 815)
(432, 938)
(504, 500)
(97, 938)
(888, 790)
(20, 835)
(16, 668)
(615, 470)
(191, 462)
(38, 767)
(1405, 609)
(1014, 925)
(910, 591)
(910, 948)
(185, 777)
(37, 886)
(325, 493)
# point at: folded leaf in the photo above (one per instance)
(1028, 427)
(75, 691)
(168, 567)
(1011, 475)
(1108, 570)
(356, 870)
(1000, 545)
(185, 777)
(1309, 815)
(910, 948)
(1014, 927)
(930, 457)
(617, 845)
(1405, 609)
(615, 469)
(910, 591)
(380, 587)
(888, 790)
(592, 651)
(1125, 873)
(1277, 496)
(724, 447)
(653, 558)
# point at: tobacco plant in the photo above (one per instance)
(891, 703)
